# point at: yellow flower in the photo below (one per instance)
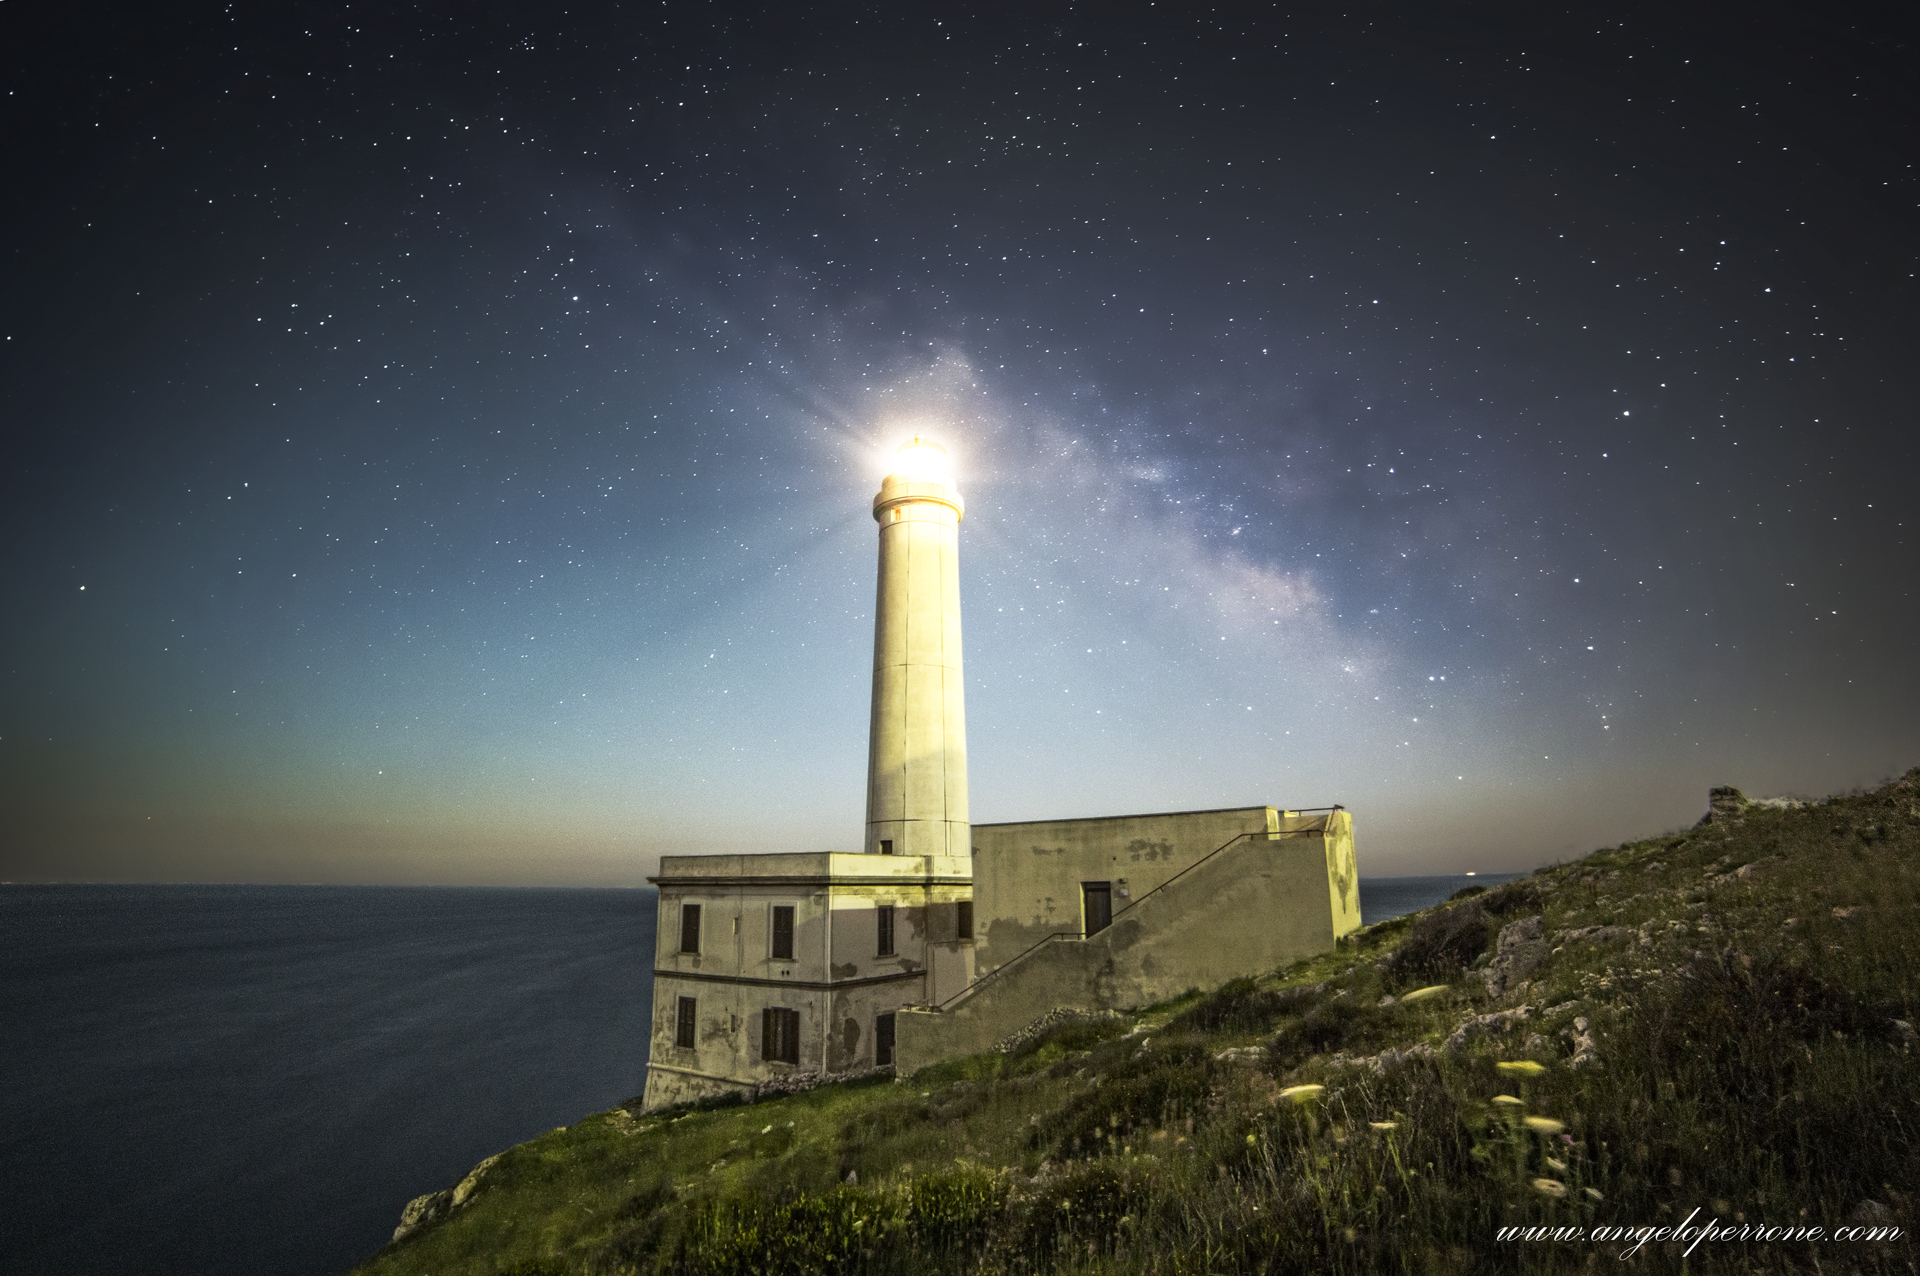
(1384, 1125)
(1522, 1067)
(1544, 1125)
(1593, 1193)
(1550, 1187)
(1509, 1100)
(1301, 1093)
(1420, 994)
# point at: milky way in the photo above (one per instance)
(442, 440)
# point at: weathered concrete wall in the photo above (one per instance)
(1251, 908)
(1026, 877)
(1343, 873)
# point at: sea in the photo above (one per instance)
(237, 1080)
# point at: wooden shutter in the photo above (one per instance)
(883, 924)
(783, 931)
(685, 1022)
(963, 919)
(690, 928)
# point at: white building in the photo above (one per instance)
(771, 964)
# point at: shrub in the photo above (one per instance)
(1443, 943)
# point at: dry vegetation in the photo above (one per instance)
(1718, 1020)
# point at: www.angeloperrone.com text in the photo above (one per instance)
(1692, 1234)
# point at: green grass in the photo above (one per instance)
(1747, 1065)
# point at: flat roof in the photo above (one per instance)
(1154, 815)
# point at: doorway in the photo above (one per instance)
(1097, 905)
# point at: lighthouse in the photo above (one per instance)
(917, 746)
(776, 968)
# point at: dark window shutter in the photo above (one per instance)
(769, 1033)
(783, 931)
(683, 1028)
(690, 928)
(882, 1040)
(790, 1038)
(883, 922)
(963, 922)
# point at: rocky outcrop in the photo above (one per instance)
(422, 1210)
(1521, 947)
(434, 1206)
(1477, 1025)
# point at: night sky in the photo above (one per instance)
(439, 438)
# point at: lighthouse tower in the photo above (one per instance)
(917, 749)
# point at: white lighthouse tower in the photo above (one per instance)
(917, 749)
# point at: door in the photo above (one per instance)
(1097, 898)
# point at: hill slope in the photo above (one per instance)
(1715, 1021)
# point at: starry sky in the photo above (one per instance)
(441, 437)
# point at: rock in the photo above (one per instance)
(422, 1210)
(1379, 1063)
(464, 1190)
(1585, 1054)
(1519, 949)
(1870, 1211)
(1475, 1025)
(1242, 1054)
(1588, 935)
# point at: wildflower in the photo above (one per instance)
(1384, 1125)
(1558, 1167)
(1421, 994)
(1509, 1100)
(1593, 1193)
(1550, 1187)
(1522, 1067)
(1301, 1093)
(1544, 1125)
(1252, 1141)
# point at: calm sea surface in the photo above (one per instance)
(1385, 898)
(254, 1079)
(214, 1080)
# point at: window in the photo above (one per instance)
(963, 919)
(1098, 898)
(683, 1025)
(883, 923)
(689, 928)
(883, 1040)
(886, 846)
(782, 932)
(780, 1035)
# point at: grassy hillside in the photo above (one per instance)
(1718, 1021)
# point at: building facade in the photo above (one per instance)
(941, 937)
